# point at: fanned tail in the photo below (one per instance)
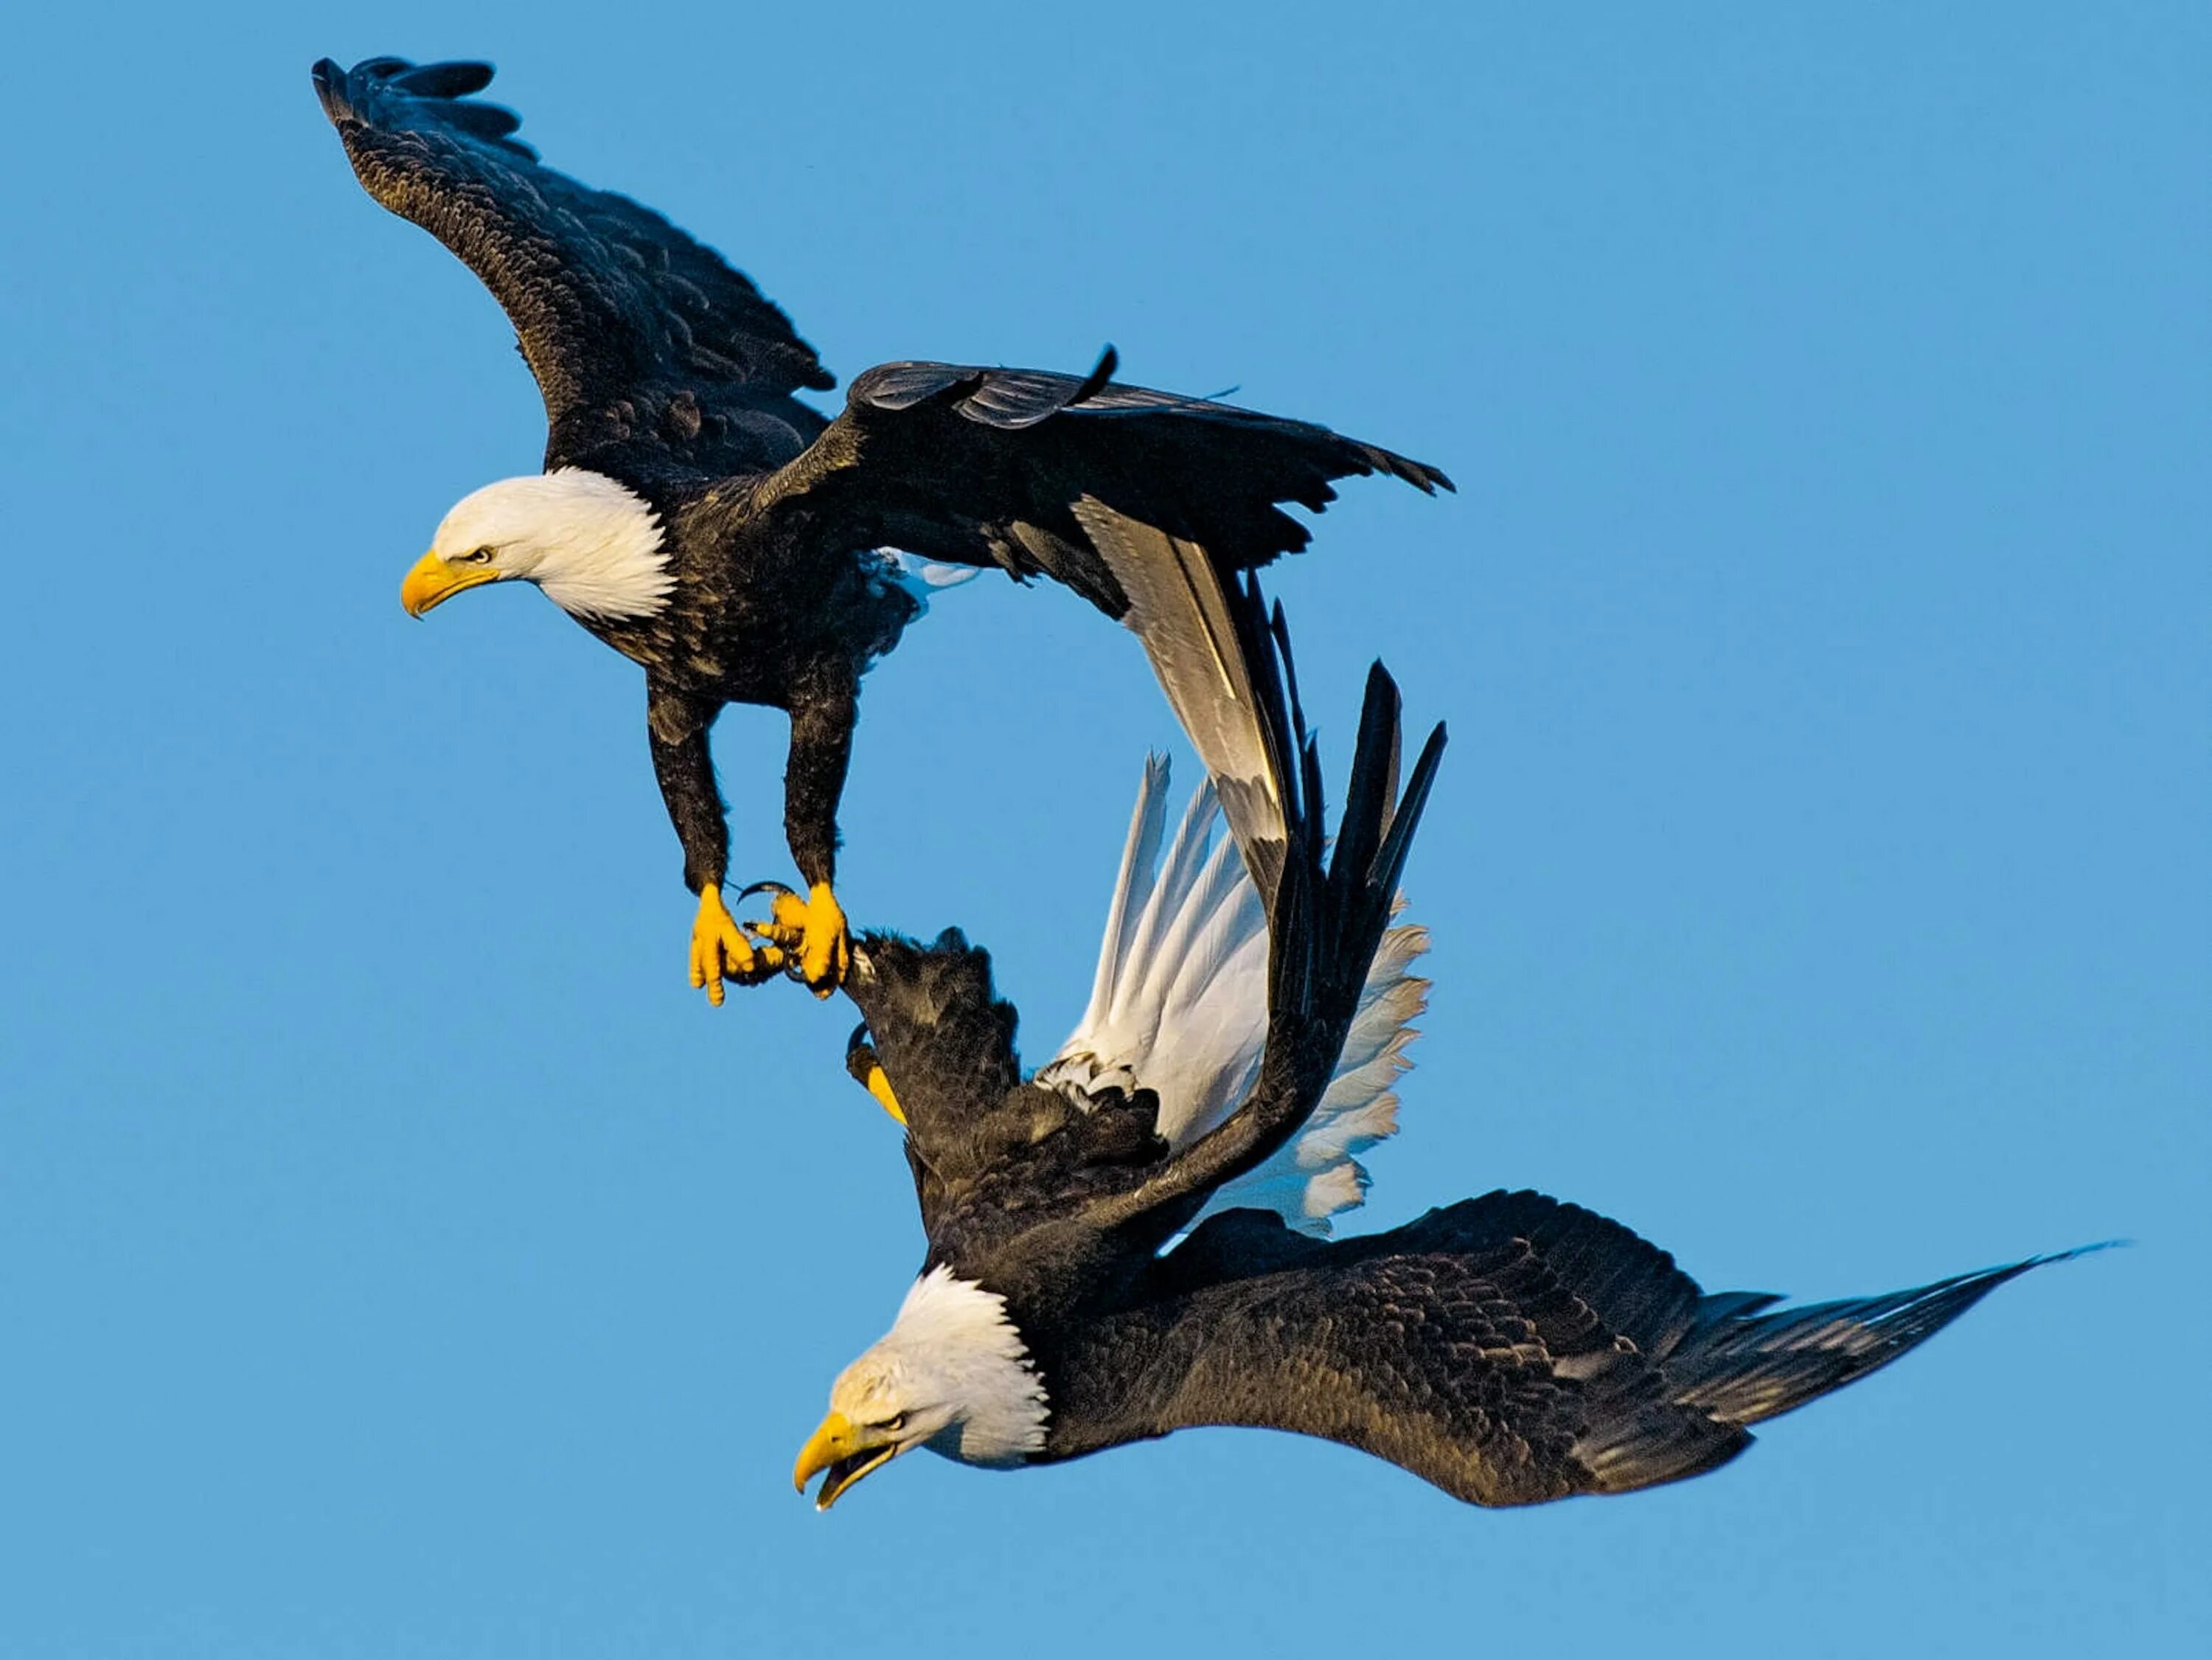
(1179, 1005)
(1319, 1174)
(1327, 916)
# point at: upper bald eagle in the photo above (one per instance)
(700, 518)
(1237, 1052)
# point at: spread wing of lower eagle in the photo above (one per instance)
(1078, 1296)
(633, 329)
(1510, 1349)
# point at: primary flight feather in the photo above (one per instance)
(1120, 1245)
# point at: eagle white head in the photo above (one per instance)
(592, 544)
(953, 1375)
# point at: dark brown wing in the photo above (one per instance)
(1510, 1349)
(635, 332)
(1145, 503)
(984, 467)
(1455, 1346)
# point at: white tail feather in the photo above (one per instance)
(1141, 852)
(1183, 967)
(1179, 1006)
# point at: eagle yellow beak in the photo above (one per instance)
(434, 580)
(840, 1449)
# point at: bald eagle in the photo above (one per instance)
(698, 517)
(1129, 1243)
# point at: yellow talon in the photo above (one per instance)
(810, 934)
(805, 937)
(829, 950)
(720, 950)
(786, 918)
(880, 1087)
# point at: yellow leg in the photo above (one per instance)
(720, 950)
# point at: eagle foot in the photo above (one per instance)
(880, 1087)
(806, 938)
(868, 1073)
(720, 950)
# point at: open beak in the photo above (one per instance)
(836, 1447)
(434, 580)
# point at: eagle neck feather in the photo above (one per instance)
(603, 554)
(961, 1335)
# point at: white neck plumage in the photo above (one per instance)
(610, 560)
(593, 545)
(953, 1341)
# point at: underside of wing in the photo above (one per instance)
(636, 334)
(1175, 602)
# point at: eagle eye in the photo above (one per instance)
(896, 1422)
(477, 556)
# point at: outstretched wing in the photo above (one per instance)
(1179, 1007)
(1510, 1349)
(1143, 502)
(635, 332)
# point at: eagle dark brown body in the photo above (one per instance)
(666, 372)
(1510, 1349)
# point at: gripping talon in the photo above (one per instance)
(720, 950)
(825, 950)
(807, 938)
(785, 926)
(880, 1087)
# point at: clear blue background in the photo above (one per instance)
(397, 1258)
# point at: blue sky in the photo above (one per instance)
(396, 1256)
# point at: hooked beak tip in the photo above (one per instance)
(434, 580)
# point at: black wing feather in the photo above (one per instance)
(634, 330)
(1510, 1349)
(986, 466)
(1325, 920)
(1147, 504)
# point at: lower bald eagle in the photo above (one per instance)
(1239, 1049)
(704, 522)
